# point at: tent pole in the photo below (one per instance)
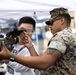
(75, 14)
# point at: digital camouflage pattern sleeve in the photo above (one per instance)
(65, 42)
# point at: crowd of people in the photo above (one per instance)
(58, 59)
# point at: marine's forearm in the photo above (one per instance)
(33, 62)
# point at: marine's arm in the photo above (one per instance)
(39, 62)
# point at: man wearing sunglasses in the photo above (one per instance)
(60, 56)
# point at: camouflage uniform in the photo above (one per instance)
(65, 42)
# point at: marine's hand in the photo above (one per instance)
(5, 53)
(4, 61)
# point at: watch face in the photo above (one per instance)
(12, 59)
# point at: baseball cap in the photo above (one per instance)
(55, 13)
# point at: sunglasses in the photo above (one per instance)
(55, 19)
(26, 30)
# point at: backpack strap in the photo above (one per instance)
(21, 49)
(11, 59)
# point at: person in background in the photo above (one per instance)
(48, 36)
(28, 24)
(60, 56)
(3, 30)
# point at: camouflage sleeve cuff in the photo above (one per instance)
(57, 45)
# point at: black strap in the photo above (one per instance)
(21, 49)
(12, 59)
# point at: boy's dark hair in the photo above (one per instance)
(27, 19)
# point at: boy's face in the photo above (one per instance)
(28, 27)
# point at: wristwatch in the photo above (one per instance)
(12, 57)
(29, 46)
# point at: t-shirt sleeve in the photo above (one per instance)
(58, 46)
(60, 42)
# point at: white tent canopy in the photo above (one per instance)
(19, 8)
(35, 8)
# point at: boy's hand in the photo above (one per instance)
(25, 39)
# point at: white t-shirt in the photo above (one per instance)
(18, 69)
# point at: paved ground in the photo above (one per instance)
(41, 48)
